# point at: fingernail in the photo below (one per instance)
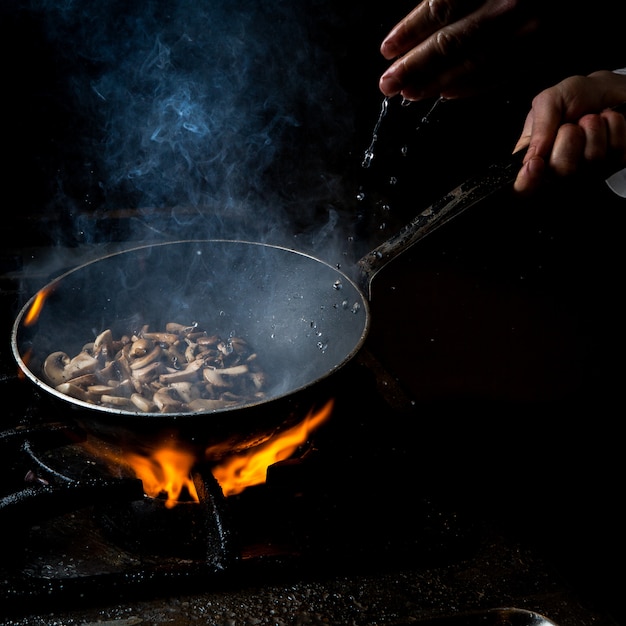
(389, 85)
(387, 50)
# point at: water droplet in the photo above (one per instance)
(393, 180)
(360, 196)
(427, 118)
(344, 304)
(337, 284)
(369, 153)
(356, 307)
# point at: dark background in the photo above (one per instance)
(505, 326)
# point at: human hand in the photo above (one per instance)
(571, 128)
(453, 48)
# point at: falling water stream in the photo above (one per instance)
(369, 153)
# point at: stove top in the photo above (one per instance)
(364, 524)
(416, 500)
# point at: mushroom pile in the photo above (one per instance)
(182, 369)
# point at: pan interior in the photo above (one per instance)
(303, 317)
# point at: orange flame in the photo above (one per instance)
(166, 471)
(35, 308)
(31, 317)
(250, 468)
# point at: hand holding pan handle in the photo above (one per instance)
(497, 176)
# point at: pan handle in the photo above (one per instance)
(497, 176)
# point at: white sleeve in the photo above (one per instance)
(617, 182)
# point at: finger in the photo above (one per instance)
(407, 33)
(424, 20)
(524, 138)
(542, 123)
(568, 150)
(595, 131)
(433, 65)
(455, 60)
(458, 81)
(616, 131)
(530, 176)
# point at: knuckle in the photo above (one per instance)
(448, 43)
(440, 11)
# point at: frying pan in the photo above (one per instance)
(304, 318)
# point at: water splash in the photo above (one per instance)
(427, 118)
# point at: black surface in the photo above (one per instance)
(505, 328)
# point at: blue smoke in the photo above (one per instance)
(200, 103)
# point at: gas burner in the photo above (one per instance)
(45, 492)
(75, 517)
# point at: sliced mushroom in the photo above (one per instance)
(86, 379)
(100, 390)
(206, 340)
(106, 371)
(176, 358)
(190, 351)
(185, 390)
(103, 345)
(141, 362)
(183, 369)
(59, 368)
(165, 402)
(148, 373)
(82, 363)
(179, 329)
(258, 379)
(124, 387)
(142, 403)
(122, 362)
(240, 346)
(70, 389)
(140, 347)
(209, 404)
(235, 370)
(213, 375)
(166, 338)
(115, 401)
(190, 373)
(54, 368)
